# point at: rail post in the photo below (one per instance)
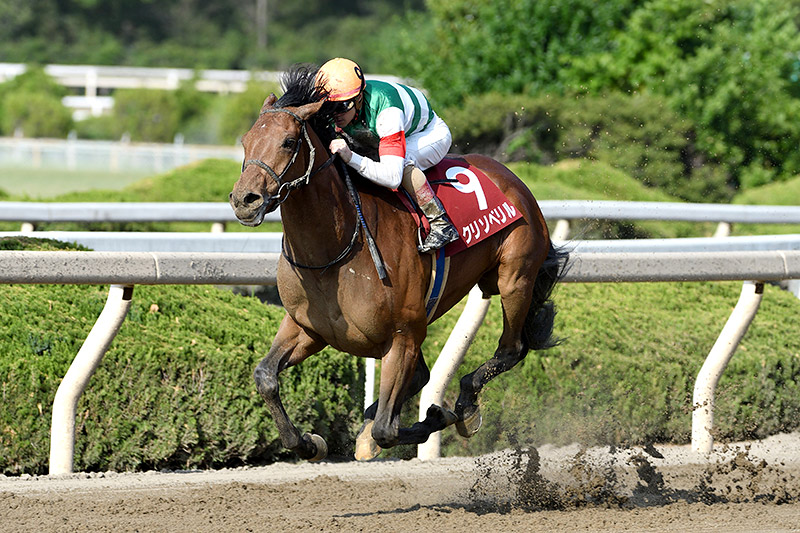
(445, 367)
(65, 404)
(717, 360)
(561, 231)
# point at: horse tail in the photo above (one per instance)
(538, 330)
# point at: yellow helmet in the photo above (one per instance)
(341, 78)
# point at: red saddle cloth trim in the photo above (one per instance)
(476, 206)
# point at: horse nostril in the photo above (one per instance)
(251, 198)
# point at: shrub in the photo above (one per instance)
(241, 111)
(36, 115)
(99, 128)
(32, 103)
(634, 133)
(33, 80)
(147, 114)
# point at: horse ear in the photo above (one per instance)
(309, 109)
(270, 101)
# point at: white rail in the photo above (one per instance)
(724, 214)
(261, 242)
(677, 211)
(136, 241)
(31, 213)
(124, 270)
(552, 210)
(109, 156)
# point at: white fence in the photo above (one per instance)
(112, 156)
(99, 78)
(96, 81)
(219, 214)
(267, 242)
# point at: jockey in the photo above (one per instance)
(410, 138)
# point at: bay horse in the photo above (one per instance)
(333, 294)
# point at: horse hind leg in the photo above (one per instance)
(528, 317)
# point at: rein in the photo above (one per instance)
(304, 180)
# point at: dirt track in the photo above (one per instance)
(752, 487)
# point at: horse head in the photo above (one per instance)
(271, 148)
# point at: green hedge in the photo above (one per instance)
(175, 390)
(626, 371)
(210, 180)
(780, 193)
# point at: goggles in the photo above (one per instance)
(343, 107)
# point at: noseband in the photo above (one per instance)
(278, 178)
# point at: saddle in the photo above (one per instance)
(474, 204)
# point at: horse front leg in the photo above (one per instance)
(398, 367)
(291, 346)
(398, 384)
(366, 446)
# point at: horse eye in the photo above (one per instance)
(289, 143)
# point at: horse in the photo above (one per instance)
(369, 301)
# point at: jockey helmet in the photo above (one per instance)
(341, 79)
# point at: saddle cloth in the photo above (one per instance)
(475, 205)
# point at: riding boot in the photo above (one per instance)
(442, 230)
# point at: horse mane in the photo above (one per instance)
(299, 85)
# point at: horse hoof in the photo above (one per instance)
(320, 445)
(470, 425)
(447, 417)
(366, 447)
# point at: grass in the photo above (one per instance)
(781, 193)
(32, 184)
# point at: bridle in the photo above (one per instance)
(288, 187)
(303, 180)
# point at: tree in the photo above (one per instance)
(31, 103)
(725, 64)
(509, 46)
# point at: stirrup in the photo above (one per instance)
(442, 233)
